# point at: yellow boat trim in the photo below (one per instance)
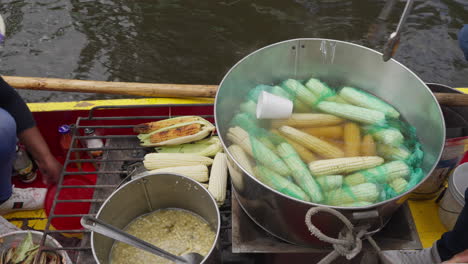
(86, 105)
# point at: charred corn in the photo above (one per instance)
(154, 161)
(206, 147)
(149, 127)
(343, 165)
(307, 120)
(218, 178)
(196, 172)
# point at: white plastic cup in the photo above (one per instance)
(270, 106)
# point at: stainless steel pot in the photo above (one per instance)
(150, 193)
(338, 63)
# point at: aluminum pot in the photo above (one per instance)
(149, 193)
(338, 63)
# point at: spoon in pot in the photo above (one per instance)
(101, 227)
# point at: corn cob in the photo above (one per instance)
(330, 182)
(179, 133)
(218, 178)
(335, 132)
(299, 106)
(249, 107)
(352, 140)
(368, 146)
(318, 88)
(206, 147)
(149, 127)
(366, 100)
(205, 185)
(393, 153)
(195, 172)
(154, 161)
(357, 204)
(299, 91)
(398, 185)
(351, 112)
(257, 150)
(305, 154)
(255, 92)
(248, 123)
(366, 192)
(343, 165)
(388, 136)
(279, 183)
(317, 145)
(307, 120)
(241, 157)
(300, 173)
(334, 142)
(382, 174)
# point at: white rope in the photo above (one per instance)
(349, 241)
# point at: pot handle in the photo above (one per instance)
(366, 216)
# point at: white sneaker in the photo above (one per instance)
(24, 199)
(424, 256)
(7, 227)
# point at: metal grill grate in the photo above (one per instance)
(122, 157)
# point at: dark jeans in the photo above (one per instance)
(7, 153)
(455, 241)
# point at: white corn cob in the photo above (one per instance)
(305, 154)
(307, 120)
(322, 91)
(218, 178)
(240, 156)
(388, 136)
(366, 192)
(330, 182)
(299, 91)
(315, 144)
(257, 150)
(351, 112)
(196, 172)
(154, 161)
(382, 174)
(357, 204)
(249, 107)
(343, 165)
(393, 153)
(363, 99)
(399, 185)
(299, 106)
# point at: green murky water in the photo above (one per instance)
(185, 41)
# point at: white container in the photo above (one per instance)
(454, 198)
(270, 106)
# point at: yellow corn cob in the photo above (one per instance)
(343, 165)
(399, 185)
(300, 173)
(240, 156)
(393, 153)
(366, 192)
(330, 182)
(154, 161)
(305, 154)
(317, 145)
(257, 150)
(382, 174)
(352, 140)
(368, 146)
(206, 147)
(351, 112)
(334, 132)
(218, 178)
(307, 120)
(196, 172)
(334, 142)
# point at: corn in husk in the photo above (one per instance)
(382, 174)
(217, 185)
(195, 172)
(280, 183)
(343, 165)
(241, 157)
(330, 182)
(307, 120)
(300, 173)
(174, 131)
(393, 153)
(388, 136)
(206, 147)
(154, 161)
(257, 150)
(366, 192)
(366, 100)
(351, 112)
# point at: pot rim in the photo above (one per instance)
(361, 208)
(218, 227)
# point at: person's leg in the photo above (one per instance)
(455, 241)
(7, 153)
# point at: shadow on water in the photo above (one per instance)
(187, 41)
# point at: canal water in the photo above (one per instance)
(192, 41)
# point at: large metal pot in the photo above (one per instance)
(149, 193)
(338, 63)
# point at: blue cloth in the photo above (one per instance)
(455, 241)
(7, 153)
(463, 40)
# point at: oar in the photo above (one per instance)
(123, 88)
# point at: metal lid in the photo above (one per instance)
(64, 129)
(458, 183)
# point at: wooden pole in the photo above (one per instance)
(452, 99)
(123, 88)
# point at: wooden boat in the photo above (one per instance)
(50, 116)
